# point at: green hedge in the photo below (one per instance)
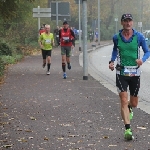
(9, 54)
(10, 59)
(5, 48)
(2, 67)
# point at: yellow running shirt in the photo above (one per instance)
(46, 40)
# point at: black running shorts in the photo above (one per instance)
(123, 82)
(46, 53)
(66, 50)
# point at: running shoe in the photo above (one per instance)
(44, 64)
(128, 134)
(69, 66)
(64, 75)
(131, 112)
(48, 73)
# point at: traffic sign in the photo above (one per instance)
(41, 15)
(41, 12)
(77, 1)
(47, 10)
(63, 10)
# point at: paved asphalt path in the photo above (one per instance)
(41, 112)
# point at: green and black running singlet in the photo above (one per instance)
(128, 52)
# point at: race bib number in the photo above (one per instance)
(130, 71)
(47, 41)
(65, 38)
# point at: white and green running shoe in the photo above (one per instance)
(128, 134)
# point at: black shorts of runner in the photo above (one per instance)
(46, 53)
(66, 50)
(123, 82)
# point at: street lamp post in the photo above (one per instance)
(38, 18)
(116, 20)
(79, 2)
(57, 13)
(99, 22)
(79, 26)
(140, 15)
(85, 55)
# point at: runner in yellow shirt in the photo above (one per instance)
(46, 42)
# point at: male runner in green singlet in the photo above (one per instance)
(126, 49)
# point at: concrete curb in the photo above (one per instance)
(94, 47)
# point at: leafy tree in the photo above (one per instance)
(8, 8)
